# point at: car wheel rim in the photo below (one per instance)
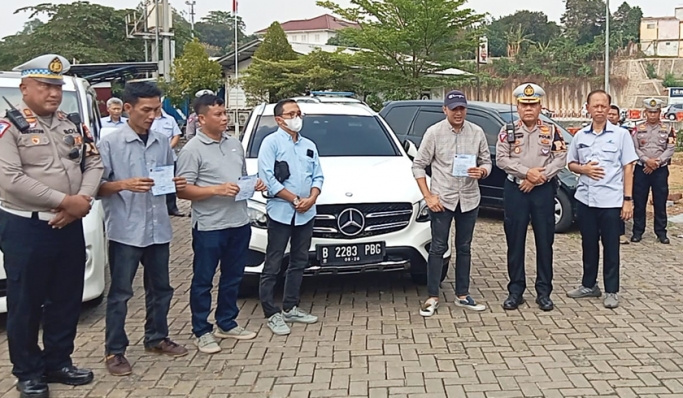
(558, 211)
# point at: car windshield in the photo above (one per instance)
(514, 116)
(334, 135)
(13, 94)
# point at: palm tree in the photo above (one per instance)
(515, 37)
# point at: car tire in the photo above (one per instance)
(564, 214)
(421, 278)
(672, 116)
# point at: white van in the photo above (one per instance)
(78, 97)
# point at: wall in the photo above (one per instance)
(648, 34)
(565, 99)
(669, 29)
(648, 47)
(667, 48)
(310, 36)
(234, 95)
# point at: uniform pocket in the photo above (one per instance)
(610, 152)
(35, 149)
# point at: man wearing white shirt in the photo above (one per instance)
(167, 126)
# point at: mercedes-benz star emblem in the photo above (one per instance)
(351, 222)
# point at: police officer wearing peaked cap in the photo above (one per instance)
(655, 145)
(532, 153)
(46, 188)
(193, 119)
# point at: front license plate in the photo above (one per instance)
(361, 253)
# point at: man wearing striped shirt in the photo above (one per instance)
(459, 156)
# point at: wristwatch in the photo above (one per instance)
(296, 201)
(628, 198)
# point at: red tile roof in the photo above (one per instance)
(323, 22)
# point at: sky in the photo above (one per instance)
(259, 14)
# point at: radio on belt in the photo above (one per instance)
(14, 116)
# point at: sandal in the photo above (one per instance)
(429, 307)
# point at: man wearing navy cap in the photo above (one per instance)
(459, 156)
(48, 177)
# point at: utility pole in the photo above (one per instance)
(237, 119)
(191, 3)
(607, 15)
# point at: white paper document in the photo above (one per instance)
(247, 186)
(463, 162)
(163, 180)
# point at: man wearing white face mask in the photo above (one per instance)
(289, 165)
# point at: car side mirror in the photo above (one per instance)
(410, 148)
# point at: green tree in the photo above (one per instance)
(583, 20)
(627, 23)
(322, 71)
(191, 72)
(342, 39)
(267, 78)
(275, 46)
(80, 30)
(534, 25)
(217, 29)
(408, 41)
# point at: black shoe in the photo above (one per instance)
(545, 303)
(70, 375)
(664, 240)
(512, 302)
(33, 389)
(636, 238)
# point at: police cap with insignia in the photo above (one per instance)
(203, 92)
(653, 104)
(528, 93)
(47, 68)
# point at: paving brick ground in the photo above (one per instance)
(371, 341)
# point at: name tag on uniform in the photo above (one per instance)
(462, 163)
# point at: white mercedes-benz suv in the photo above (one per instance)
(370, 215)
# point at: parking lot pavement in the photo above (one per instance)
(371, 341)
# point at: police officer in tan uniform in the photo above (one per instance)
(48, 177)
(655, 145)
(532, 153)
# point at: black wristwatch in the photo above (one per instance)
(628, 198)
(296, 201)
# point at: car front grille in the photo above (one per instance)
(377, 219)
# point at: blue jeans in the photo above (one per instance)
(229, 247)
(441, 232)
(123, 265)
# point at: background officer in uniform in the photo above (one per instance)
(46, 190)
(655, 145)
(532, 152)
(193, 119)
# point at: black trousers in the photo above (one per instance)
(658, 181)
(539, 207)
(600, 225)
(171, 204)
(278, 236)
(45, 270)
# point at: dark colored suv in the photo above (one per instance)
(410, 120)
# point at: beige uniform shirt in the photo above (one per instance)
(36, 172)
(541, 146)
(654, 141)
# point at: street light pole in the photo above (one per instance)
(607, 15)
(191, 4)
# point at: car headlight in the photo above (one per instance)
(423, 212)
(257, 215)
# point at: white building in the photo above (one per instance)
(316, 30)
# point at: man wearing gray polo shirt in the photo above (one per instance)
(213, 162)
(459, 156)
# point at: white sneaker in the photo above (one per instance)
(207, 344)
(297, 315)
(429, 307)
(237, 333)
